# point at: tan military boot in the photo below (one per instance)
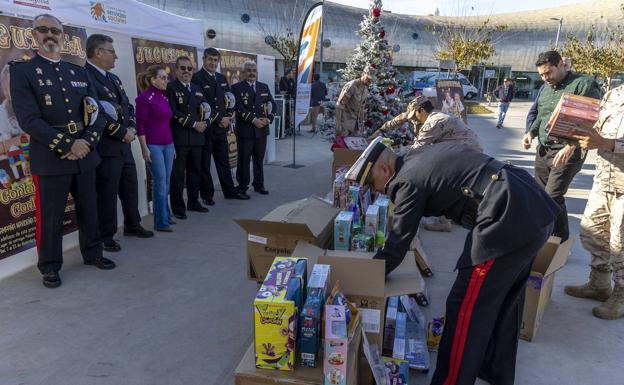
(598, 287)
(613, 308)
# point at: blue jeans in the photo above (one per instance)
(502, 112)
(161, 165)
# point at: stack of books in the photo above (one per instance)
(574, 115)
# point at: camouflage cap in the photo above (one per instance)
(415, 104)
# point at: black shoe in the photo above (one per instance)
(111, 246)
(499, 126)
(140, 232)
(101, 263)
(180, 216)
(208, 202)
(238, 195)
(165, 229)
(199, 208)
(172, 222)
(261, 190)
(51, 280)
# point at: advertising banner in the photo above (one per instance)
(451, 98)
(231, 64)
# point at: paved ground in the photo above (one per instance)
(177, 310)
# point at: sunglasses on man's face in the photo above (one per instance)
(44, 30)
(186, 68)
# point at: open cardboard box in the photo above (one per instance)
(550, 258)
(246, 372)
(363, 281)
(344, 157)
(276, 234)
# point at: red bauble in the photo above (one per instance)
(376, 11)
(381, 93)
(368, 123)
(390, 90)
(382, 34)
(386, 112)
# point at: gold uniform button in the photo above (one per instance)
(64, 89)
(59, 150)
(494, 177)
(70, 111)
(66, 100)
(466, 191)
(67, 140)
(61, 79)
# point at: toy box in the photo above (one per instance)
(342, 230)
(336, 346)
(400, 333)
(416, 351)
(390, 326)
(398, 371)
(311, 316)
(276, 310)
(384, 206)
(362, 242)
(372, 220)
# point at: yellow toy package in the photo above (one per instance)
(276, 311)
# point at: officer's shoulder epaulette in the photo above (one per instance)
(75, 66)
(17, 62)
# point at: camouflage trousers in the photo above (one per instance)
(602, 231)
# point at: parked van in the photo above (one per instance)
(424, 81)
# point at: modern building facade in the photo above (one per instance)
(244, 24)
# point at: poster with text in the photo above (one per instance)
(451, 98)
(232, 64)
(17, 191)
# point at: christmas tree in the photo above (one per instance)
(385, 92)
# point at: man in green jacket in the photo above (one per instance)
(557, 162)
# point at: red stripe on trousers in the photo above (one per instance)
(38, 213)
(465, 314)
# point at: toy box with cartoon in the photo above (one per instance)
(276, 309)
(336, 346)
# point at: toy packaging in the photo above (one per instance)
(362, 242)
(336, 346)
(372, 220)
(311, 316)
(416, 352)
(398, 371)
(384, 205)
(341, 188)
(400, 332)
(276, 311)
(390, 326)
(434, 332)
(342, 230)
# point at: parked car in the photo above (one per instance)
(424, 81)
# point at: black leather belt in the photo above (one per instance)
(71, 128)
(489, 174)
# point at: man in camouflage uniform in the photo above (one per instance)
(350, 107)
(602, 226)
(431, 127)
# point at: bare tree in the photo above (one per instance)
(280, 23)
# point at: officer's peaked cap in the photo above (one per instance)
(360, 171)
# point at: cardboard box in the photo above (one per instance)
(363, 281)
(550, 258)
(310, 219)
(276, 312)
(247, 374)
(344, 157)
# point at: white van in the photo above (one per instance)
(424, 81)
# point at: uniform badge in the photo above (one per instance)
(48, 82)
(72, 72)
(180, 101)
(106, 89)
(41, 83)
(39, 71)
(48, 100)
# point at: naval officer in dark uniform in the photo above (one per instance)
(188, 137)
(254, 107)
(510, 218)
(215, 86)
(51, 102)
(116, 174)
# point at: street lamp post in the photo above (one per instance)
(560, 20)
